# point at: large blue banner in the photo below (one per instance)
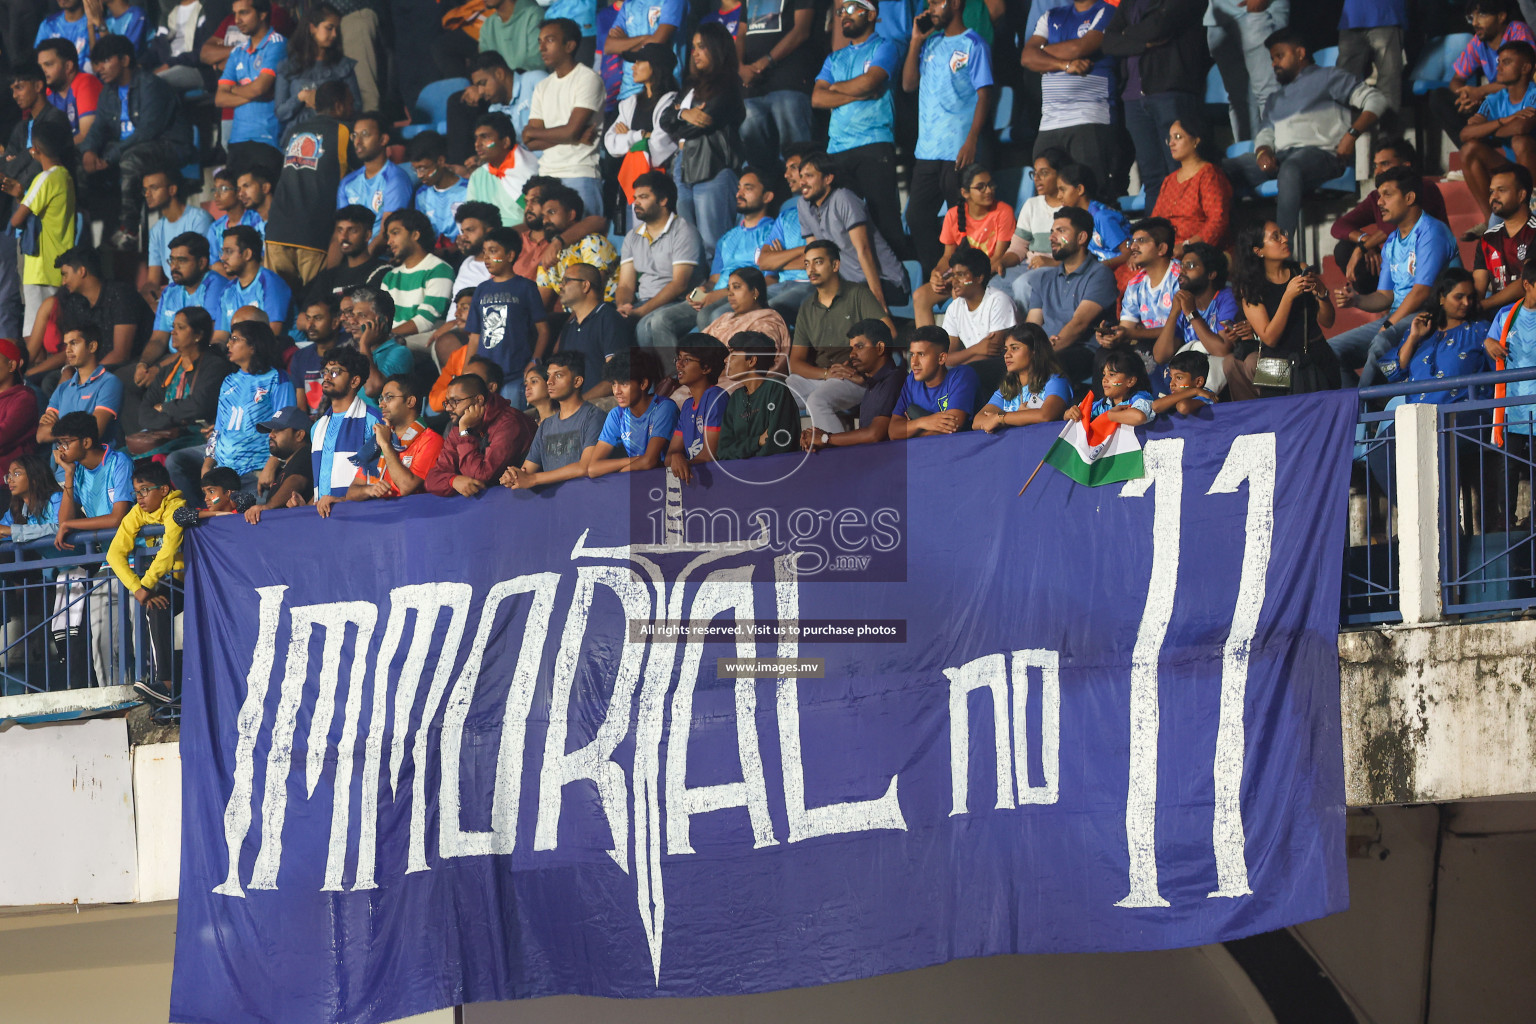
(442, 751)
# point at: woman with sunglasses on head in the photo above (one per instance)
(981, 222)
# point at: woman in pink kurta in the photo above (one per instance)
(1196, 198)
(747, 292)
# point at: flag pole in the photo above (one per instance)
(1032, 476)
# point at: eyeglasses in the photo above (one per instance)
(852, 8)
(223, 188)
(61, 443)
(984, 186)
(333, 371)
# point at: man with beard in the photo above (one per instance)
(563, 208)
(487, 436)
(192, 284)
(1072, 298)
(1307, 130)
(1207, 318)
(659, 262)
(378, 185)
(1501, 129)
(345, 425)
(474, 220)
(250, 284)
(358, 267)
(818, 360)
(321, 318)
(163, 195)
(70, 88)
(1502, 252)
(420, 283)
(738, 247)
(288, 441)
(827, 210)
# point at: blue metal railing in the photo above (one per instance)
(1370, 554)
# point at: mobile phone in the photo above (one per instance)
(925, 21)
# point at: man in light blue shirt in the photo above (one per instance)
(249, 80)
(738, 247)
(1501, 129)
(1235, 33)
(250, 284)
(192, 284)
(950, 69)
(641, 22)
(378, 185)
(162, 195)
(1412, 259)
(785, 247)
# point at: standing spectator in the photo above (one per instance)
(760, 417)
(980, 223)
(1196, 198)
(819, 359)
(950, 68)
(18, 405)
(659, 261)
(1503, 250)
(1074, 295)
(314, 161)
(567, 114)
(638, 115)
(70, 89)
(506, 321)
(1361, 232)
(511, 28)
(1371, 37)
(563, 208)
(441, 191)
(90, 390)
(486, 437)
(344, 427)
(1206, 319)
(1307, 130)
(250, 284)
(828, 211)
(705, 122)
(746, 292)
(639, 428)
(1165, 54)
(594, 330)
(51, 198)
(353, 227)
(119, 313)
(232, 213)
(71, 25)
(176, 398)
(504, 167)
(935, 398)
(408, 449)
(563, 446)
(778, 67)
(163, 195)
(1077, 82)
(1288, 311)
(1501, 129)
(140, 125)
(157, 503)
(420, 283)
(738, 247)
(173, 50)
(640, 23)
(856, 83)
(192, 284)
(378, 184)
(1236, 31)
(871, 369)
(314, 58)
(1493, 24)
(248, 83)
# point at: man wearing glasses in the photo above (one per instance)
(594, 330)
(346, 425)
(226, 199)
(486, 437)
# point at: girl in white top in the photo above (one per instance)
(1030, 248)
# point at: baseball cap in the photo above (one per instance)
(656, 55)
(291, 418)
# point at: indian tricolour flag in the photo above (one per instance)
(1097, 451)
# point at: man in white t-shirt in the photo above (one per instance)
(978, 318)
(565, 116)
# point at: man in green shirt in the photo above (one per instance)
(818, 358)
(512, 30)
(760, 417)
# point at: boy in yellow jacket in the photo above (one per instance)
(156, 503)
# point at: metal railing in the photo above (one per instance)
(1370, 555)
(70, 624)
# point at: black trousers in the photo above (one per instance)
(1442, 106)
(870, 171)
(934, 183)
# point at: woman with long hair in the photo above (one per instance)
(638, 116)
(706, 122)
(1196, 198)
(1033, 390)
(314, 57)
(186, 393)
(979, 221)
(746, 289)
(1288, 310)
(1445, 340)
(1032, 233)
(34, 496)
(18, 405)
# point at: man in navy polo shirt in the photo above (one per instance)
(92, 389)
(250, 284)
(935, 399)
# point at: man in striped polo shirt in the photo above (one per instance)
(1077, 80)
(420, 283)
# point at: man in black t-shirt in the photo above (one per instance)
(118, 312)
(315, 156)
(352, 232)
(778, 68)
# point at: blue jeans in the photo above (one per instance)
(1148, 120)
(663, 328)
(710, 206)
(773, 122)
(1236, 37)
(1362, 346)
(1302, 169)
(591, 192)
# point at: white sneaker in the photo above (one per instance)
(1453, 176)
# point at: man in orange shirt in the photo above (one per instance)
(407, 449)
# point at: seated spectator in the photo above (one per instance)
(738, 247)
(935, 398)
(1361, 232)
(1500, 132)
(250, 283)
(760, 417)
(97, 478)
(746, 296)
(857, 83)
(819, 374)
(353, 227)
(164, 193)
(120, 315)
(345, 423)
(1078, 82)
(18, 405)
(513, 32)
(1187, 390)
(700, 362)
(828, 211)
(1073, 297)
(705, 121)
(639, 428)
(1288, 311)
(506, 322)
(594, 330)
(491, 89)
(373, 310)
(784, 252)
(504, 166)
(314, 58)
(248, 84)
(1206, 319)
(473, 221)
(1031, 242)
(1412, 259)
(407, 448)
(1196, 198)
(1111, 237)
(71, 87)
(1148, 300)
(880, 381)
(641, 24)
(51, 199)
(172, 51)
(1121, 391)
(321, 323)
(192, 285)
(378, 184)
(538, 246)
(419, 282)
(139, 127)
(638, 116)
(1032, 390)
(32, 512)
(290, 470)
(566, 439)
(490, 372)
(1307, 130)
(1445, 340)
(980, 224)
(659, 262)
(486, 437)
(300, 232)
(565, 115)
(221, 497)
(441, 191)
(45, 345)
(978, 318)
(563, 208)
(1501, 251)
(170, 405)
(226, 200)
(254, 187)
(91, 389)
(156, 502)
(1493, 23)
(536, 400)
(253, 394)
(29, 90)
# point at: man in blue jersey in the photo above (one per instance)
(1077, 82)
(950, 68)
(232, 213)
(70, 23)
(378, 185)
(856, 83)
(250, 284)
(935, 398)
(164, 193)
(738, 247)
(639, 428)
(192, 284)
(1412, 258)
(247, 84)
(441, 191)
(344, 427)
(90, 389)
(642, 22)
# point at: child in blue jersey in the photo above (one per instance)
(441, 191)
(1122, 391)
(1187, 393)
(35, 498)
(637, 432)
(1033, 388)
(700, 362)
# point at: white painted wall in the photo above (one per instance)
(157, 816)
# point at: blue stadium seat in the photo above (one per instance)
(1134, 204)
(1433, 71)
(914, 279)
(1026, 188)
(1002, 117)
(431, 111)
(1270, 189)
(1215, 88)
(1327, 57)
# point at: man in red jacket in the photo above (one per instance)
(487, 436)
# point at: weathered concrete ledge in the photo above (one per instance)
(1438, 712)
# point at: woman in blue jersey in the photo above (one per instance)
(1122, 391)
(35, 497)
(314, 58)
(1033, 390)
(1446, 340)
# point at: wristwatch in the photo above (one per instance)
(1354, 132)
(826, 438)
